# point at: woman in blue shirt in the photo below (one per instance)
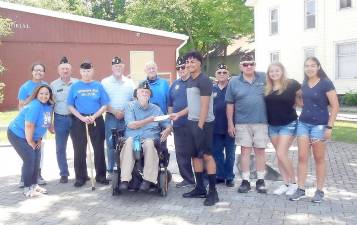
(38, 73)
(26, 89)
(25, 134)
(87, 100)
(315, 125)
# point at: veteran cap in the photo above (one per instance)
(221, 66)
(116, 60)
(64, 60)
(180, 61)
(86, 65)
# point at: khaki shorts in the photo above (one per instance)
(252, 135)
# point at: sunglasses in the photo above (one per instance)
(248, 64)
(180, 68)
(222, 72)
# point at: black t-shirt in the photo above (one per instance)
(280, 108)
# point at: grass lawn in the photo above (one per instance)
(343, 131)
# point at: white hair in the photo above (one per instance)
(150, 63)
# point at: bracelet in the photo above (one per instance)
(328, 127)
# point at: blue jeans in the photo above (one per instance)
(62, 126)
(224, 154)
(314, 132)
(30, 157)
(111, 122)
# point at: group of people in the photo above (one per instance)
(208, 121)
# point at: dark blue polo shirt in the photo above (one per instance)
(219, 110)
(178, 100)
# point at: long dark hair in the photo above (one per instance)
(35, 93)
(320, 73)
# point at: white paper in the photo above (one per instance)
(161, 118)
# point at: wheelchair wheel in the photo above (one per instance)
(115, 184)
(163, 183)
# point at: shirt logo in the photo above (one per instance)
(59, 90)
(46, 119)
(214, 94)
(177, 87)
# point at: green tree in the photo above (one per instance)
(112, 10)
(77, 7)
(208, 23)
(5, 30)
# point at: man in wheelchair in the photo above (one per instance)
(142, 129)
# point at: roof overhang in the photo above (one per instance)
(83, 19)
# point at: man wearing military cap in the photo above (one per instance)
(62, 116)
(178, 101)
(120, 90)
(223, 145)
(140, 124)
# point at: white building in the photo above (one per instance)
(290, 30)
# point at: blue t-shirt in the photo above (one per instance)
(27, 88)
(35, 112)
(160, 91)
(134, 112)
(178, 100)
(315, 109)
(248, 99)
(87, 97)
(219, 110)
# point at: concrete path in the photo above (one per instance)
(66, 204)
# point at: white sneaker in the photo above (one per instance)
(281, 190)
(291, 189)
(39, 189)
(29, 192)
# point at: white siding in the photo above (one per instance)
(332, 26)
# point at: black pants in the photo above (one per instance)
(97, 136)
(183, 154)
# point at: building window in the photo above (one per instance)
(310, 14)
(274, 57)
(274, 25)
(345, 4)
(346, 60)
(309, 52)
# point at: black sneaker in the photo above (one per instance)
(230, 183)
(184, 183)
(124, 185)
(145, 185)
(79, 183)
(64, 179)
(211, 199)
(244, 187)
(260, 186)
(102, 180)
(195, 193)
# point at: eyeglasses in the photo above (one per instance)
(41, 71)
(248, 64)
(180, 68)
(222, 72)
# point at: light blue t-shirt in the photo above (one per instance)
(27, 88)
(87, 97)
(248, 99)
(35, 112)
(134, 112)
(160, 91)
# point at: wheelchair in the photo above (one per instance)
(164, 175)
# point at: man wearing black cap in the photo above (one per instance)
(87, 100)
(223, 144)
(177, 102)
(200, 128)
(120, 90)
(62, 116)
(142, 126)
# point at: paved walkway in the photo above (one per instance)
(66, 204)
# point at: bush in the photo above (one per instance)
(350, 99)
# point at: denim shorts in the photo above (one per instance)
(310, 130)
(288, 129)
